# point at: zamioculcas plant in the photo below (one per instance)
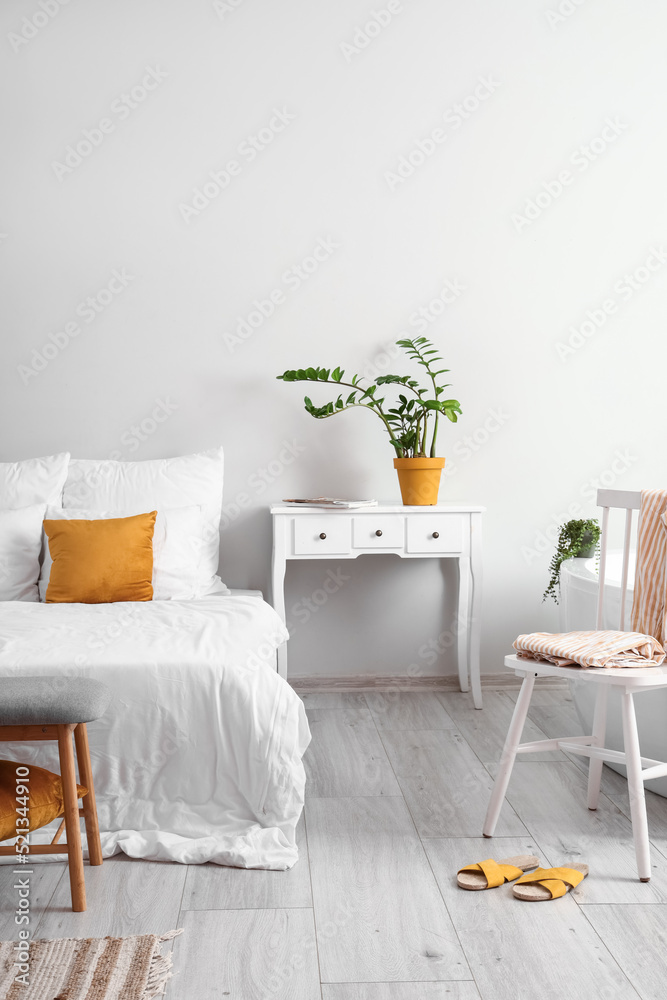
(407, 423)
(411, 422)
(575, 538)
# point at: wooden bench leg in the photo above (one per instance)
(71, 814)
(89, 803)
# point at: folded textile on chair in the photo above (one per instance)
(591, 649)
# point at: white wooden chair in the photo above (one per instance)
(630, 681)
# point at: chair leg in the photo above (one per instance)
(89, 803)
(71, 812)
(599, 733)
(636, 788)
(508, 755)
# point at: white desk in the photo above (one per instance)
(444, 531)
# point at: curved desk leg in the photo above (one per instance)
(463, 622)
(475, 619)
(278, 566)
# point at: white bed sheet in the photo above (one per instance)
(198, 758)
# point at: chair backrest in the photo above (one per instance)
(627, 500)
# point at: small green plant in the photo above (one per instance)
(409, 421)
(575, 538)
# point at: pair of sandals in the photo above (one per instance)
(538, 885)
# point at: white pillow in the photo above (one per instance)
(157, 484)
(36, 480)
(177, 547)
(20, 543)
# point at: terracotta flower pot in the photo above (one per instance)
(419, 479)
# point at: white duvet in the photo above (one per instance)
(198, 758)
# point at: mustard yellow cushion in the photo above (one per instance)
(44, 802)
(99, 562)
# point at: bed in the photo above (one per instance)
(199, 757)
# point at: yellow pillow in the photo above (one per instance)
(45, 800)
(99, 562)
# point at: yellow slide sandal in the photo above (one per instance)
(489, 874)
(549, 883)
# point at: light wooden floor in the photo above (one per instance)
(398, 786)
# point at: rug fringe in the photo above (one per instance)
(170, 935)
(160, 971)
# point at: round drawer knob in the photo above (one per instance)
(323, 534)
(379, 532)
(436, 534)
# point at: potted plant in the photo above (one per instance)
(412, 423)
(576, 539)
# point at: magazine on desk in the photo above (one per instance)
(332, 502)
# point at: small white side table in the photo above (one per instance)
(443, 531)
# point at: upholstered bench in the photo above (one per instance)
(51, 708)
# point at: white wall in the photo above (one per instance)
(218, 72)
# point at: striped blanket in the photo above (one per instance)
(648, 606)
(591, 649)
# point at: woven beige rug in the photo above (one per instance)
(131, 968)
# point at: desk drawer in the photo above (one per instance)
(435, 533)
(378, 531)
(308, 532)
